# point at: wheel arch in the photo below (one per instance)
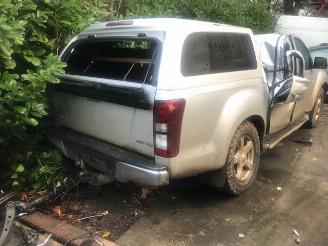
(325, 90)
(259, 124)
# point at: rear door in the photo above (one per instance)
(108, 91)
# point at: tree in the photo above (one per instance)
(250, 13)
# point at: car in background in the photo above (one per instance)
(319, 51)
(312, 30)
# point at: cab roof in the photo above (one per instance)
(160, 24)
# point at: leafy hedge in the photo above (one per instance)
(31, 34)
(249, 13)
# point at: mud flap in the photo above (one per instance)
(215, 178)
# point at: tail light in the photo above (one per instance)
(167, 126)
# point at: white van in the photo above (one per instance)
(312, 30)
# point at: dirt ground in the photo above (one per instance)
(288, 198)
(287, 205)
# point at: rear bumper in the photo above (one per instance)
(122, 164)
(126, 172)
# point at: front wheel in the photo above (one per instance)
(315, 112)
(242, 160)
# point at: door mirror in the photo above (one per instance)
(282, 90)
(320, 63)
(295, 63)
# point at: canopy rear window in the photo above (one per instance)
(125, 59)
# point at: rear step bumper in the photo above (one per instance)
(126, 172)
(124, 165)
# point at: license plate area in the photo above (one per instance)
(102, 165)
(95, 160)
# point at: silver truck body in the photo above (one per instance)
(120, 137)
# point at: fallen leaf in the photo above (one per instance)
(56, 211)
(23, 196)
(106, 234)
(144, 193)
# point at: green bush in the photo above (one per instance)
(249, 13)
(31, 34)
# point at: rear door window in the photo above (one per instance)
(300, 46)
(208, 53)
(128, 59)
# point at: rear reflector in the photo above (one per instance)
(168, 117)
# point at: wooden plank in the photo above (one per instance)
(61, 231)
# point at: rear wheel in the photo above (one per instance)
(315, 112)
(242, 160)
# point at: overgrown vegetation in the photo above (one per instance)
(249, 13)
(32, 33)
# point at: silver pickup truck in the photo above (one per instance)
(150, 100)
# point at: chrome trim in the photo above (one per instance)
(125, 172)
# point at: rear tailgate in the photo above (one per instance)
(108, 91)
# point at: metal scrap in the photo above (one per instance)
(92, 216)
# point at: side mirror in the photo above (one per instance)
(295, 63)
(320, 63)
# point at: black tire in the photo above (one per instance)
(314, 114)
(234, 182)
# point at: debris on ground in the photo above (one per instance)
(296, 236)
(57, 212)
(143, 195)
(106, 234)
(296, 233)
(279, 188)
(63, 232)
(241, 235)
(93, 216)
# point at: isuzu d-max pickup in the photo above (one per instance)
(151, 100)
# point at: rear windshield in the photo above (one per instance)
(128, 60)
